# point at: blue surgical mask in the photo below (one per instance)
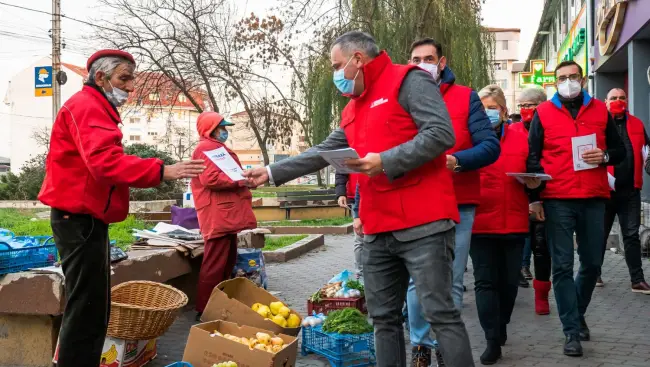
(223, 136)
(345, 86)
(494, 116)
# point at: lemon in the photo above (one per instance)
(284, 311)
(275, 307)
(293, 321)
(256, 306)
(264, 311)
(280, 320)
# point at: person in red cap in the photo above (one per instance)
(224, 208)
(87, 180)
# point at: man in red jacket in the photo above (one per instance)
(574, 199)
(224, 208)
(397, 122)
(627, 179)
(86, 184)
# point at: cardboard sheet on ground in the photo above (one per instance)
(520, 176)
(337, 158)
(580, 145)
(226, 163)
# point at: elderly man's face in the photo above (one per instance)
(122, 78)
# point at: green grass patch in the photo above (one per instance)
(329, 222)
(276, 243)
(20, 223)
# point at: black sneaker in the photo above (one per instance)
(421, 357)
(585, 333)
(492, 353)
(439, 361)
(523, 283)
(572, 346)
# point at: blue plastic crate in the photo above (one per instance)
(15, 260)
(180, 364)
(342, 350)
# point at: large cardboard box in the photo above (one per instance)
(123, 353)
(231, 301)
(204, 350)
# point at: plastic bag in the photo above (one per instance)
(250, 265)
(345, 292)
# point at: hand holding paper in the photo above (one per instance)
(584, 145)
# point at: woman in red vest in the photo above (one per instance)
(528, 100)
(224, 208)
(500, 227)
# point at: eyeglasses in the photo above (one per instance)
(621, 98)
(527, 105)
(572, 77)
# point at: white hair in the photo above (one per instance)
(107, 65)
(533, 94)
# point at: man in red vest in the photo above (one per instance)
(398, 123)
(477, 146)
(626, 182)
(574, 199)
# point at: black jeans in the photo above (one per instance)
(585, 218)
(387, 265)
(541, 256)
(627, 205)
(497, 263)
(82, 242)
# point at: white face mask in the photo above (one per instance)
(569, 89)
(431, 69)
(116, 96)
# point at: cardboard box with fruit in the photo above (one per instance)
(240, 301)
(225, 342)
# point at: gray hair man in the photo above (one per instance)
(87, 181)
(397, 122)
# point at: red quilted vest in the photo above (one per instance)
(466, 184)
(636, 132)
(503, 206)
(375, 122)
(557, 155)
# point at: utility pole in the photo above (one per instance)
(56, 57)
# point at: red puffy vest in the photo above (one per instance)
(375, 122)
(636, 132)
(503, 206)
(466, 184)
(557, 154)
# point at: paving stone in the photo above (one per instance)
(617, 317)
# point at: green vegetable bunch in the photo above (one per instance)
(347, 321)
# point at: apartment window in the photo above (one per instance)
(134, 138)
(503, 83)
(134, 120)
(154, 97)
(497, 66)
(182, 98)
(504, 45)
(152, 133)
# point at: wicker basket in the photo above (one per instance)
(143, 310)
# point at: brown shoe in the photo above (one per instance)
(600, 283)
(421, 357)
(641, 287)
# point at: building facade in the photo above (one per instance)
(504, 64)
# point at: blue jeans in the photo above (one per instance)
(419, 327)
(528, 252)
(585, 218)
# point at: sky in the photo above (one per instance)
(24, 36)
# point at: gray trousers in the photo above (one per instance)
(358, 246)
(387, 266)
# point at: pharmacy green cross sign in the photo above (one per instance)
(537, 75)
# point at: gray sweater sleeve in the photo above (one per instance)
(421, 98)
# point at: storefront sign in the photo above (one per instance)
(610, 23)
(573, 48)
(537, 75)
(576, 45)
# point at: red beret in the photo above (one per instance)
(108, 53)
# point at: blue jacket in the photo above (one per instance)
(486, 146)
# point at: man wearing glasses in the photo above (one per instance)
(626, 181)
(574, 200)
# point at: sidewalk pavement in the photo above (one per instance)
(619, 319)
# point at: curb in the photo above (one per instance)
(299, 248)
(327, 230)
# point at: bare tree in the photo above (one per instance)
(42, 137)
